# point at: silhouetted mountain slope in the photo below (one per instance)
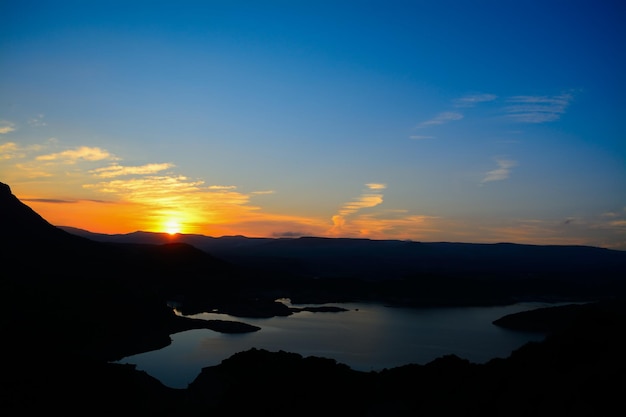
(87, 296)
(71, 303)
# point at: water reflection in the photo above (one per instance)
(366, 337)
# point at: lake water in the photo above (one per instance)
(367, 337)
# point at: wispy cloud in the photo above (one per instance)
(450, 116)
(222, 187)
(473, 99)
(369, 198)
(49, 200)
(442, 118)
(119, 170)
(376, 186)
(537, 109)
(81, 153)
(37, 121)
(501, 173)
(9, 150)
(391, 225)
(6, 127)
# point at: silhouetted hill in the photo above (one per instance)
(386, 259)
(71, 303)
(87, 296)
(411, 273)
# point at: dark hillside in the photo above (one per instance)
(393, 259)
(88, 296)
(309, 269)
(71, 304)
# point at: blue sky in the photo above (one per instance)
(475, 121)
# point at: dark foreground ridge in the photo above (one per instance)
(72, 305)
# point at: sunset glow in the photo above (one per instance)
(172, 227)
(429, 121)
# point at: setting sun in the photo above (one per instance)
(172, 227)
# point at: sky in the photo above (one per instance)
(459, 121)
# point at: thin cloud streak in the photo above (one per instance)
(472, 100)
(537, 109)
(119, 170)
(376, 186)
(501, 173)
(442, 118)
(365, 200)
(81, 153)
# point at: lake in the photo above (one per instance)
(367, 337)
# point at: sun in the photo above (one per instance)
(172, 227)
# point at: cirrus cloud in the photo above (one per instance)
(442, 118)
(502, 172)
(537, 109)
(473, 99)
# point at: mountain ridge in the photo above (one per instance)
(147, 236)
(379, 259)
(72, 303)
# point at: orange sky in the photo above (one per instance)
(91, 188)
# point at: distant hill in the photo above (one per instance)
(409, 272)
(391, 259)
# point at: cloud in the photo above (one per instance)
(222, 187)
(420, 137)
(49, 200)
(119, 170)
(148, 189)
(364, 201)
(368, 199)
(9, 150)
(537, 109)
(441, 118)
(6, 127)
(289, 234)
(388, 224)
(472, 100)
(37, 121)
(81, 153)
(147, 194)
(376, 186)
(500, 173)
